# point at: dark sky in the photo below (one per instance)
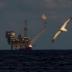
(13, 13)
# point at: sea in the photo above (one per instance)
(35, 60)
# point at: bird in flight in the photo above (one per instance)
(62, 29)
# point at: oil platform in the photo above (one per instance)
(19, 42)
(24, 42)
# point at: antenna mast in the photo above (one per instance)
(25, 29)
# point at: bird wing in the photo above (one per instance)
(65, 23)
(56, 35)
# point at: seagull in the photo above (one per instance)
(61, 30)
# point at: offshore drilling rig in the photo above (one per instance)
(19, 42)
(24, 42)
